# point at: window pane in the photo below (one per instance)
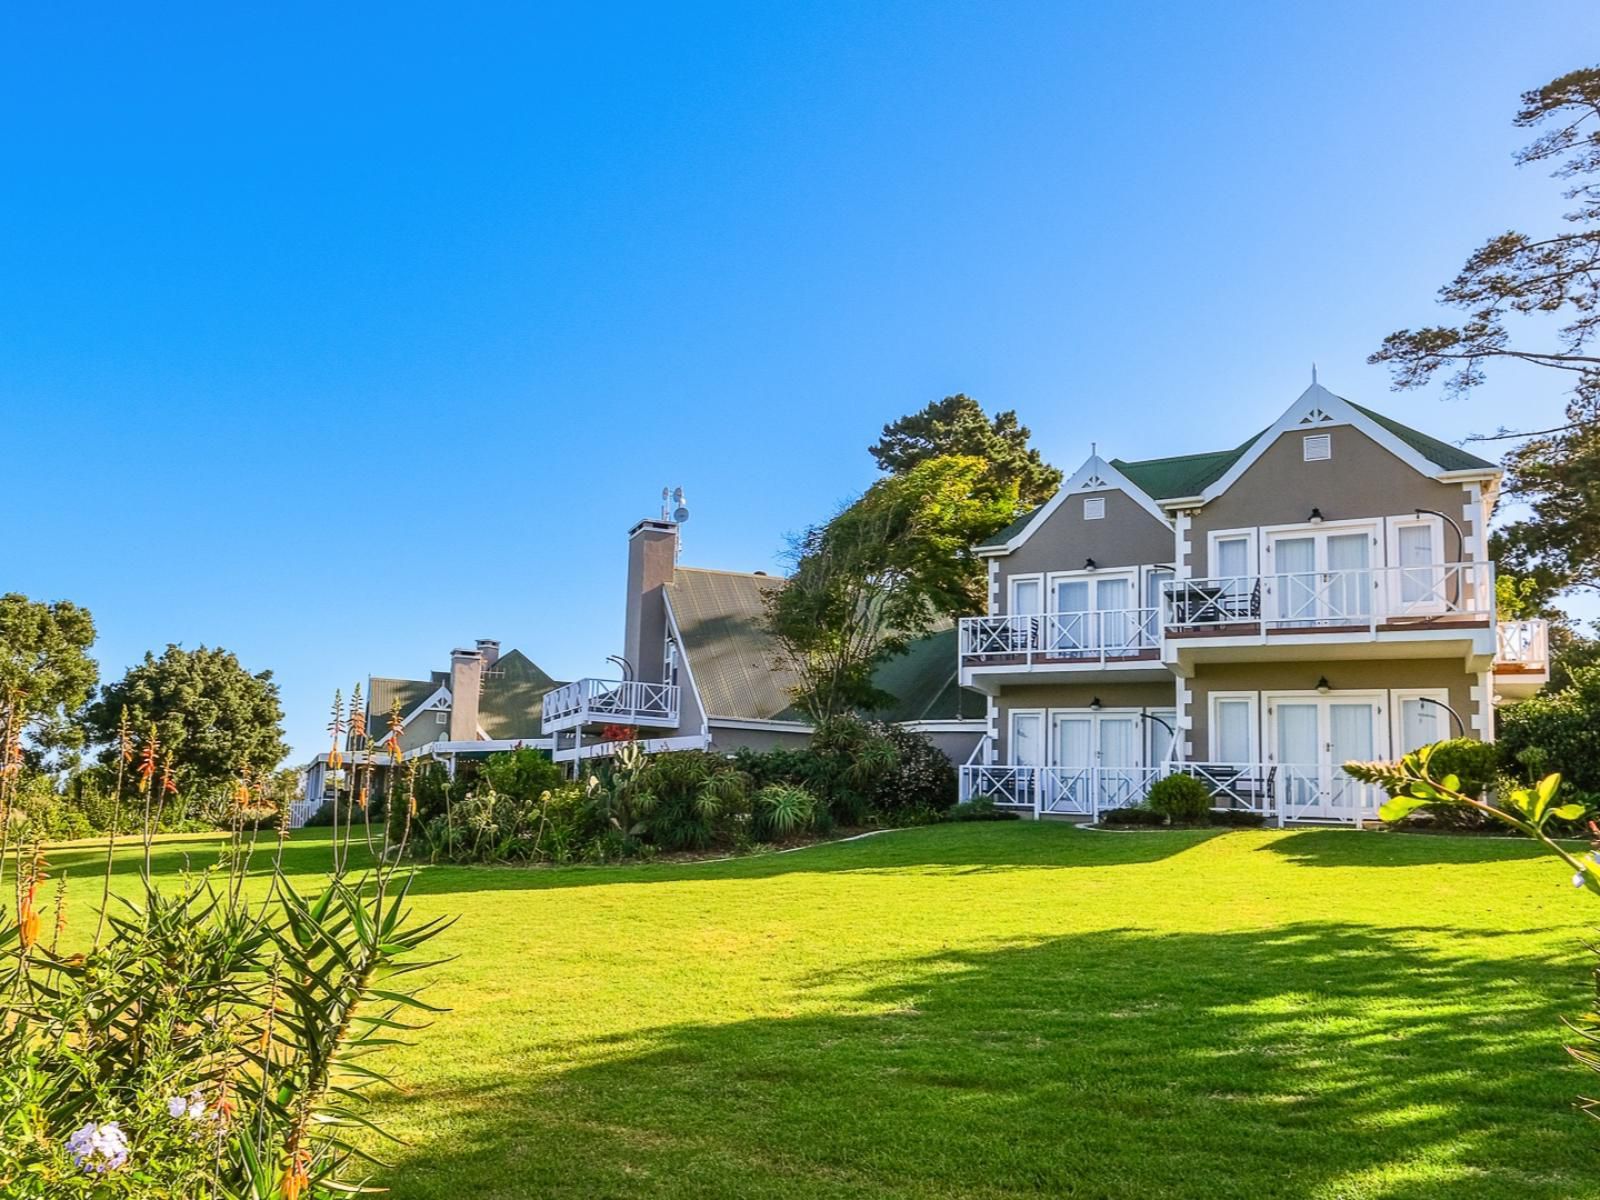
(1233, 731)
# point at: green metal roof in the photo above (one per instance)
(1182, 474)
(739, 669)
(1441, 454)
(382, 695)
(512, 698)
(998, 540)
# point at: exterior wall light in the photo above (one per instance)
(1094, 705)
(1323, 686)
(1088, 564)
(1316, 516)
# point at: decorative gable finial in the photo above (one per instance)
(1313, 374)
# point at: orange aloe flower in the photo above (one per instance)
(148, 759)
(298, 1179)
(169, 786)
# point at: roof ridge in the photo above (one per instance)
(726, 571)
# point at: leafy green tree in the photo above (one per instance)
(46, 674)
(957, 426)
(214, 717)
(882, 573)
(1510, 290)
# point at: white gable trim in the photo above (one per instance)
(683, 657)
(438, 702)
(1317, 409)
(1096, 475)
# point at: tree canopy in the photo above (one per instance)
(958, 426)
(883, 571)
(1535, 299)
(46, 674)
(215, 718)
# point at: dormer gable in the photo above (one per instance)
(1089, 483)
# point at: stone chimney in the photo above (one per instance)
(466, 680)
(489, 651)
(652, 559)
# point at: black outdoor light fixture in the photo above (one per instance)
(1094, 705)
(1316, 516)
(1323, 686)
(1088, 564)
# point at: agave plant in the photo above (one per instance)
(209, 1046)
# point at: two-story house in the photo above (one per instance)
(698, 669)
(1254, 617)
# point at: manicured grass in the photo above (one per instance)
(1001, 1010)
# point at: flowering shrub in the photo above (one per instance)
(202, 1046)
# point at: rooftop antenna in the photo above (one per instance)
(674, 507)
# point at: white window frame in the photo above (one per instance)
(1212, 727)
(1397, 699)
(1391, 540)
(1044, 734)
(1319, 439)
(1094, 508)
(1170, 716)
(1011, 594)
(1252, 553)
(441, 716)
(1131, 574)
(1146, 574)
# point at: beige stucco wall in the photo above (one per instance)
(1358, 675)
(726, 740)
(1361, 480)
(1128, 535)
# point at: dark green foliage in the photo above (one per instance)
(214, 717)
(681, 800)
(850, 760)
(1474, 763)
(522, 774)
(1557, 733)
(1142, 815)
(981, 808)
(958, 425)
(1179, 798)
(922, 783)
(46, 673)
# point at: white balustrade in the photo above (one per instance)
(610, 701)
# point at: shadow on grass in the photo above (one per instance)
(1315, 1059)
(1375, 848)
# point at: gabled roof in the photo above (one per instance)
(512, 698)
(1182, 474)
(383, 693)
(1442, 454)
(1095, 475)
(739, 670)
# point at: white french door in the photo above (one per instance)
(1089, 614)
(1095, 762)
(1321, 576)
(1311, 737)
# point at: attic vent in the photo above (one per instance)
(1094, 508)
(1317, 447)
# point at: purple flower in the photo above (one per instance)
(99, 1148)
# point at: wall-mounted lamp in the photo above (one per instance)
(1094, 705)
(1088, 564)
(1316, 516)
(1323, 686)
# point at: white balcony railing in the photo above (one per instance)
(1523, 645)
(1275, 791)
(610, 702)
(1364, 596)
(1107, 634)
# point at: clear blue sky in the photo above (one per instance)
(341, 337)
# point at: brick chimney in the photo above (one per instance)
(652, 559)
(466, 679)
(489, 651)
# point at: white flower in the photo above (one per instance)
(192, 1106)
(99, 1148)
(1577, 880)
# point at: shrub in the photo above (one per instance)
(1472, 762)
(1136, 815)
(922, 780)
(683, 800)
(782, 810)
(1179, 798)
(981, 808)
(1557, 733)
(848, 760)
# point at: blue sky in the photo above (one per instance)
(339, 337)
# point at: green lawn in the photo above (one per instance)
(1001, 1010)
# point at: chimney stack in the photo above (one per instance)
(489, 651)
(466, 680)
(652, 560)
